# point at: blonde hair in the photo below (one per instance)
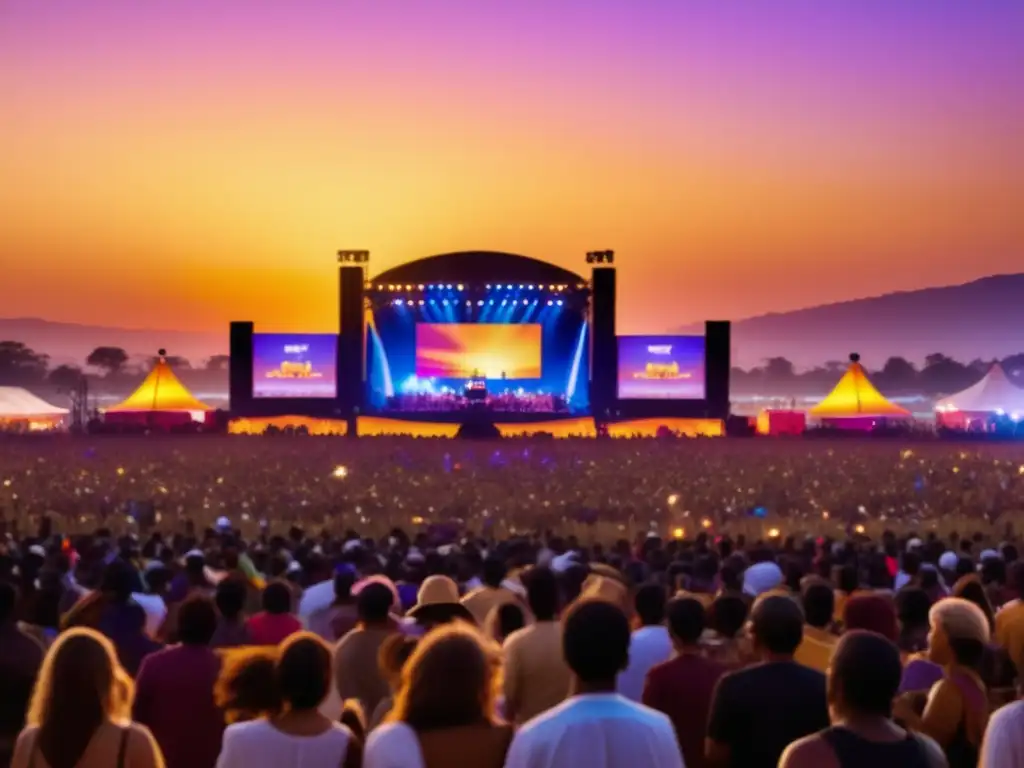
(80, 685)
(960, 619)
(451, 679)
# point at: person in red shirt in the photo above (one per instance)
(682, 687)
(275, 622)
(174, 691)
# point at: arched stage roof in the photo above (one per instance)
(478, 267)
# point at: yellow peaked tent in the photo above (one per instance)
(855, 397)
(160, 392)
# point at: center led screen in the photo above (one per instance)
(294, 365)
(491, 350)
(661, 368)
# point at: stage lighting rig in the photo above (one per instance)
(353, 257)
(600, 257)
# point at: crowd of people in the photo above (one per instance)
(403, 603)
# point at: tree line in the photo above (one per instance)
(22, 366)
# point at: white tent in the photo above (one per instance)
(17, 404)
(993, 394)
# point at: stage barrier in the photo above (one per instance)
(655, 427)
(314, 426)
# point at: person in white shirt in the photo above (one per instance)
(650, 645)
(1003, 746)
(596, 727)
(297, 733)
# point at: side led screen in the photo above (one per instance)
(294, 365)
(490, 350)
(661, 368)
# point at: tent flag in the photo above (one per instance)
(995, 393)
(160, 391)
(855, 397)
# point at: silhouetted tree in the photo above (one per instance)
(898, 374)
(944, 375)
(779, 369)
(223, 362)
(21, 365)
(65, 377)
(110, 359)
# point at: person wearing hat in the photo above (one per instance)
(437, 602)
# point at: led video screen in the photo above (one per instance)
(661, 368)
(491, 350)
(294, 365)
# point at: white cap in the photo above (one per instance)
(37, 550)
(294, 567)
(990, 554)
(914, 543)
(562, 563)
(195, 553)
(948, 561)
(351, 545)
(223, 524)
(414, 556)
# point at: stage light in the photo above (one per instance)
(449, 286)
(550, 302)
(490, 303)
(488, 287)
(678, 533)
(468, 302)
(396, 302)
(421, 302)
(480, 303)
(560, 302)
(504, 302)
(445, 302)
(408, 287)
(340, 471)
(459, 286)
(774, 533)
(432, 302)
(530, 287)
(859, 529)
(526, 301)
(419, 287)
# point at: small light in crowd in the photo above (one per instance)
(824, 515)
(678, 533)
(340, 471)
(120, 470)
(907, 454)
(672, 499)
(774, 533)
(859, 528)
(417, 520)
(7, 483)
(956, 470)
(706, 523)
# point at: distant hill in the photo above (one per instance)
(982, 319)
(69, 343)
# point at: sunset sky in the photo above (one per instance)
(183, 163)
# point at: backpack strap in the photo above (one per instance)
(123, 749)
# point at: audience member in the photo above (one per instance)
(231, 596)
(818, 644)
(957, 709)
(862, 731)
(295, 733)
(20, 659)
(757, 712)
(650, 644)
(536, 677)
(596, 727)
(357, 675)
(391, 660)
(174, 690)
(682, 687)
(503, 620)
(445, 713)
(79, 708)
(275, 622)
(491, 594)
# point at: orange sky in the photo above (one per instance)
(175, 167)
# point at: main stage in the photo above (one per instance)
(479, 342)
